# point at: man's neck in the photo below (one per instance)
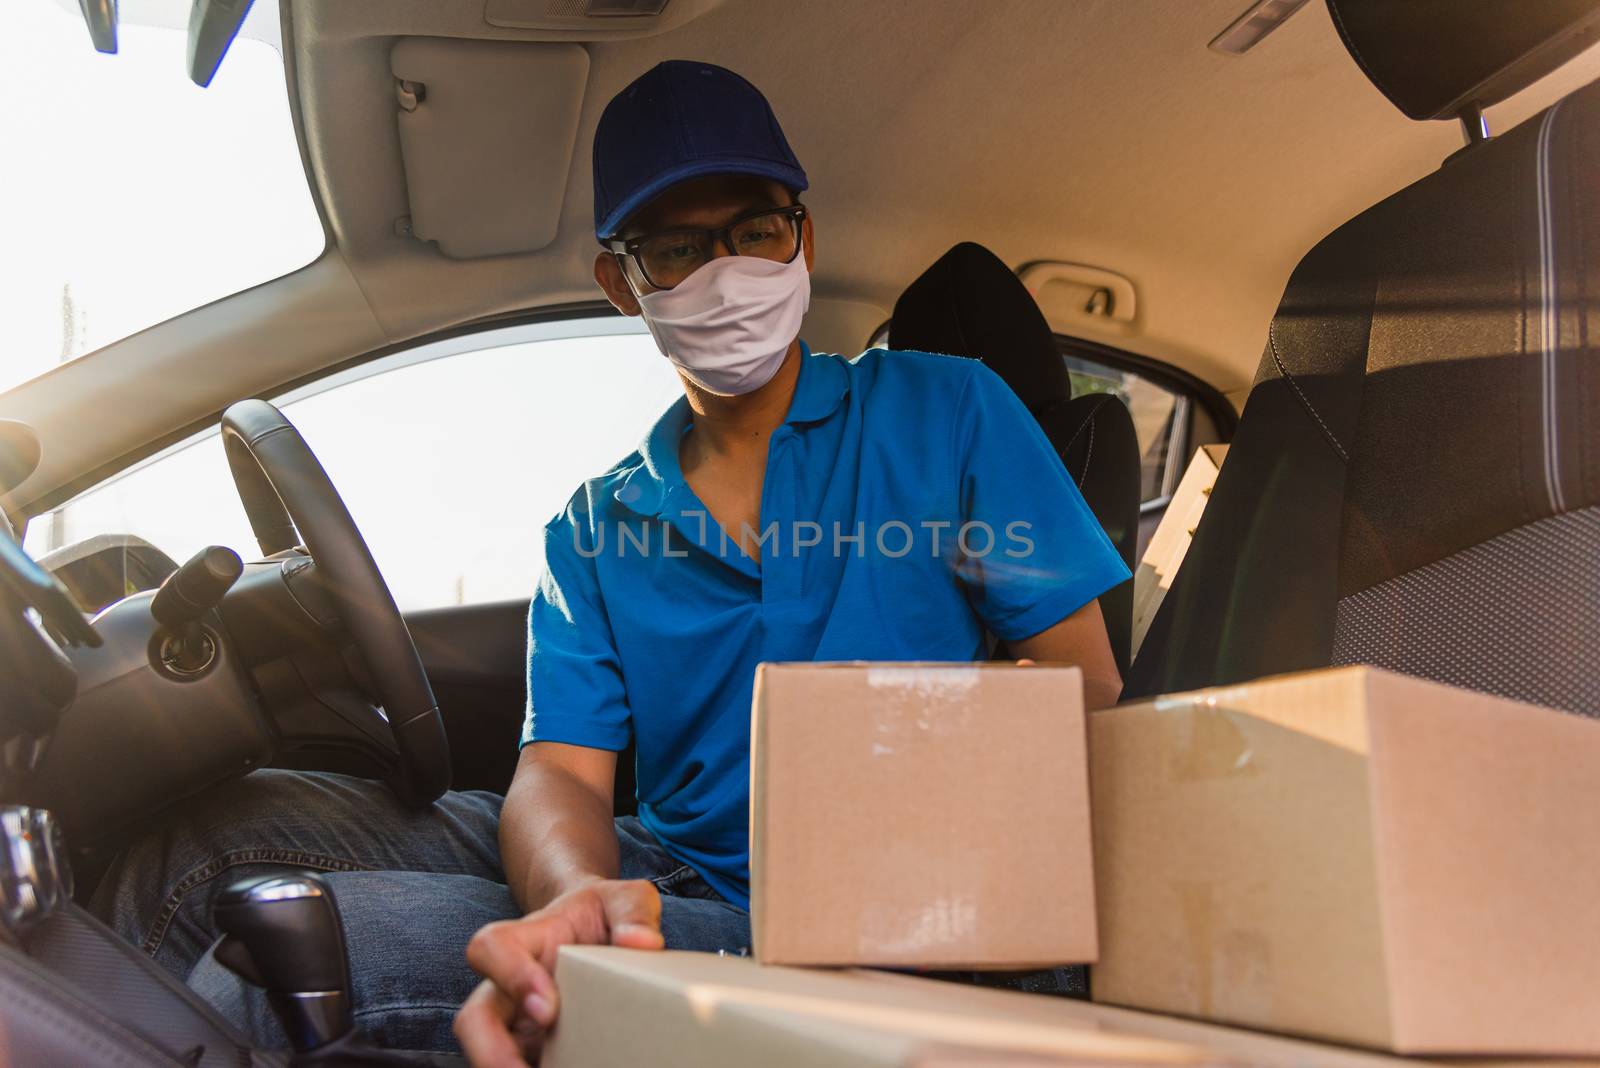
(726, 426)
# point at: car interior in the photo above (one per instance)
(1349, 239)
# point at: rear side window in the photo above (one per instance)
(1160, 417)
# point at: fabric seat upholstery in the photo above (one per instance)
(969, 303)
(1415, 482)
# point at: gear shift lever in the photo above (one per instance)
(282, 933)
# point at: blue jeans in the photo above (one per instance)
(412, 887)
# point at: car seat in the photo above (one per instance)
(1415, 482)
(969, 303)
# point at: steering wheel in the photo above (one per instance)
(39, 681)
(36, 588)
(288, 497)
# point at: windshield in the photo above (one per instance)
(132, 195)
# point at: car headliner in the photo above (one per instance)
(1101, 132)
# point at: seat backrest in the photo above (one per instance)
(1415, 482)
(969, 303)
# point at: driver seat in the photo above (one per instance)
(969, 303)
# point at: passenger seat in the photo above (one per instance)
(969, 303)
(1415, 482)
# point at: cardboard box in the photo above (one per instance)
(1353, 855)
(1170, 542)
(932, 815)
(625, 1008)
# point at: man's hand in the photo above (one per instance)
(503, 1023)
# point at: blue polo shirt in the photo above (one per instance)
(911, 503)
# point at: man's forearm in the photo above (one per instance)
(1079, 639)
(555, 834)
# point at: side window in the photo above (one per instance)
(451, 457)
(1173, 415)
(1160, 418)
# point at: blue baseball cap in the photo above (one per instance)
(678, 120)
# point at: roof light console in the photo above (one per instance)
(1248, 30)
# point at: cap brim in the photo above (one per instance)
(792, 177)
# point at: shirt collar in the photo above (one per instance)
(819, 388)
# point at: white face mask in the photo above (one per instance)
(729, 324)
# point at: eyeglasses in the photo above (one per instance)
(669, 256)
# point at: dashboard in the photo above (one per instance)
(95, 723)
(188, 676)
(98, 721)
(102, 570)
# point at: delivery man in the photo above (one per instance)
(758, 475)
(789, 506)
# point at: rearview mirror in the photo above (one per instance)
(101, 18)
(213, 24)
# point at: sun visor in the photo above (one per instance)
(487, 130)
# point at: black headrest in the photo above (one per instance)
(1433, 58)
(969, 303)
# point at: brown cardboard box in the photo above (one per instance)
(1353, 855)
(626, 1008)
(1169, 544)
(934, 815)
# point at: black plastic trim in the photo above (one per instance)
(291, 79)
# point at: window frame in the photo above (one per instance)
(1185, 385)
(574, 323)
(1189, 389)
(296, 389)
(420, 352)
